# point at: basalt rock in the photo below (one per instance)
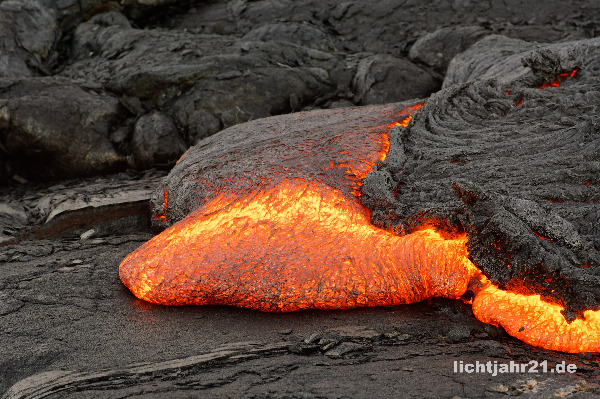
(206, 82)
(438, 48)
(28, 36)
(514, 165)
(51, 128)
(391, 26)
(156, 140)
(245, 155)
(302, 33)
(381, 79)
(209, 65)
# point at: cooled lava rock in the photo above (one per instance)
(53, 128)
(381, 79)
(28, 35)
(209, 65)
(275, 148)
(156, 140)
(438, 48)
(516, 166)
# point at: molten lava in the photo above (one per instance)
(305, 241)
(404, 122)
(295, 246)
(539, 323)
(560, 78)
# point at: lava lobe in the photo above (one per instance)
(332, 209)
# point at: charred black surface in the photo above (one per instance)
(515, 166)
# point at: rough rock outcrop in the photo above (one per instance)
(52, 128)
(514, 165)
(28, 35)
(209, 65)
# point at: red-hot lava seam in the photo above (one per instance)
(554, 83)
(560, 78)
(298, 244)
(163, 216)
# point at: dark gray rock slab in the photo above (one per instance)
(436, 49)
(206, 82)
(381, 79)
(52, 128)
(302, 33)
(156, 140)
(392, 26)
(29, 33)
(13, 219)
(77, 209)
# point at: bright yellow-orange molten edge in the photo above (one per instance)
(539, 323)
(295, 246)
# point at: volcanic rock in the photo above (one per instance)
(12, 219)
(390, 26)
(156, 140)
(235, 154)
(206, 82)
(28, 35)
(210, 65)
(301, 33)
(69, 327)
(381, 79)
(522, 160)
(52, 128)
(437, 49)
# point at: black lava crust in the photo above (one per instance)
(515, 166)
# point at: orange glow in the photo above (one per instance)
(163, 216)
(541, 236)
(294, 243)
(560, 78)
(536, 322)
(295, 246)
(407, 110)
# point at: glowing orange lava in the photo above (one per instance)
(294, 243)
(295, 246)
(560, 78)
(404, 122)
(162, 217)
(539, 323)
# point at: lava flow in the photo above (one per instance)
(295, 246)
(537, 322)
(294, 243)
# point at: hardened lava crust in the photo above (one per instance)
(509, 152)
